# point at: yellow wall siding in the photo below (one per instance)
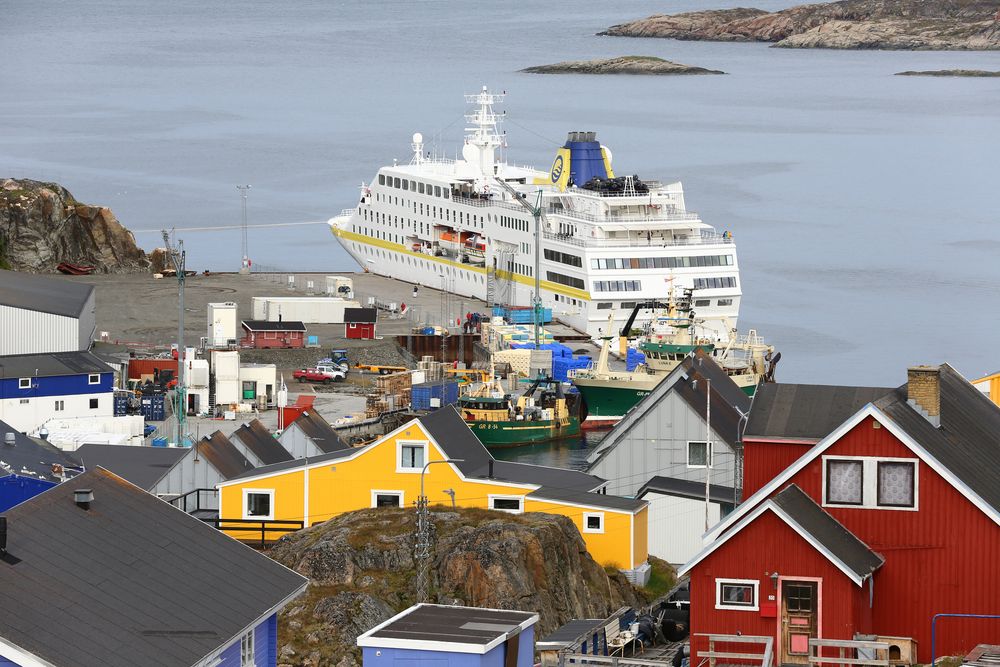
(347, 485)
(641, 532)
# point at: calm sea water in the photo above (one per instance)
(864, 204)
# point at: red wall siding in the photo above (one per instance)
(944, 558)
(763, 461)
(769, 545)
(363, 331)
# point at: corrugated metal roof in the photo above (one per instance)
(587, 498)
(826, 530)
(223, 455)
(143, 466)
(261, 325)
(511, 471)
(805, 411)
(687, 488)
(44, 294)
(131, 581)
(50, 364)
(259, 440)
(451, 624)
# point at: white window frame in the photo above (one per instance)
(246, 506)
(24, 383)
(247, 649)
(499, 496)
(388, 492)
(399, 455)
(710, 454)
(869, 482)
(587, 516)
(94, 378)
(720, 604)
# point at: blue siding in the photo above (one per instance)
(265, 646)
(58, 385)
(231, 656)
(397, 657)
(4, 662)
(15, 489)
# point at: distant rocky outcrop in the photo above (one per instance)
(848, 24)
(949, 72)
(43, 225)
(620, 65)
(361, 568)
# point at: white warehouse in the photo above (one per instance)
(45, 314)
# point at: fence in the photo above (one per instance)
(849, 652)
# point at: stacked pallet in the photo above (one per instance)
(432, 370)
(392, 392)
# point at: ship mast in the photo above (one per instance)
(482, 137)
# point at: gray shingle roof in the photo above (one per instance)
(223, 455)
(511, 471)
(450, 431)
(263, 325)
(360, 315)
(49, 364)
(30, 457)
(320, 432)
(450, 624)
(132, 581)
(826, 530)
(46, 294)
(584, 498)
(805, 411)
(687, 488)
(259, 440)
(142, 466)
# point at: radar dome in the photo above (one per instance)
(418, 138)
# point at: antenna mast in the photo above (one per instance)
(245, 266)
(177, 258)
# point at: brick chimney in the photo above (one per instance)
(923, 389)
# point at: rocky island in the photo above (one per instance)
(847, 24)
(361, 569)
(620, 65)
(949, 72)
(43, 225)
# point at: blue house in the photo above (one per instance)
(428, 635)
(29, 466)
(97, 572)
(37, 387)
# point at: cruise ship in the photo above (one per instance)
(602, 243)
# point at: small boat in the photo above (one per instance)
(501, 420)
(74, 269)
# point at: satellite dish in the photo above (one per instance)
(418, 138)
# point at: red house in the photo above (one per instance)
(263, 335)
(360, 323)
(891, 518)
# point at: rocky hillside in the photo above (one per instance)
(42, 225)
(620, 65)
(848, 24)
(362, 570)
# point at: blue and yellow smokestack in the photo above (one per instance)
(579, 160)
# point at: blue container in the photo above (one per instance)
(444, 390)
(312, 341)
(159, 442)
(121, 404)
(154, 407)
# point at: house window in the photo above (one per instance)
(593, 522)
(844, 482)
(93, 403)
(512, 504)
(23, 401)
(246, 650)
(411, 456)
(24, 383)
(387, 498)
(60, 406)
(896, 483)
(697, 454)
(870, 482)
(258, 504)
(737, 594)
(94, 378)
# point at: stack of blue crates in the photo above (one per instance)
(521, 315)
(633, 358)
(445, 390)
(562, 365)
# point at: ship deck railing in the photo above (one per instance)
(639, 240)
(611, 219)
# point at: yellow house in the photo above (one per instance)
(989, 385)
(387, 472)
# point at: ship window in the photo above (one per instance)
(725, 302)
(437, 190)
(605, 305)
(381, 179)
(420, 188)
(565, 280)
(447, 194)
(701, 303)
(395, 182)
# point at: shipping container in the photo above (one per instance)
(121, 403)
(137, 368)
(308, 310)
(154, 407)
(430, 395)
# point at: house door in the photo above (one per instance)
(798, 620)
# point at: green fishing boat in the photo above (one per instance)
(503, 420)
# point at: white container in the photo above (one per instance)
(223, 324)
(226, 364)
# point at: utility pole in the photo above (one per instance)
(245, 266)
(708, 448)
(177, 258)
(423, 546)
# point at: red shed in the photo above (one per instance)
(262, 335)
(360, 323)
(891, 518)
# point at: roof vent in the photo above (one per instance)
(83, 498)
(923, 390)
(43, 433)
(9, 438)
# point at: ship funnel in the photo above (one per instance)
(581, 159)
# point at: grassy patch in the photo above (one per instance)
(662, 578)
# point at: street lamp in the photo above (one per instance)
(423, 532)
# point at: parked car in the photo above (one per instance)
(321, 376)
